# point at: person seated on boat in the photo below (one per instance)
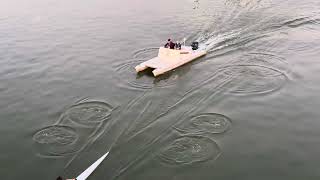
(172, 45)
(178, 45)
(168, 43)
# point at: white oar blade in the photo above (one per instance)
(85, 174)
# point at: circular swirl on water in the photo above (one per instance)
(56, 140)
(145, 80)
(89, 112)
(146, 53)
(265, 59)
(254, 79)
(56, 134)
(206, 123)
(188, 150)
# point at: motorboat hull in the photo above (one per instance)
(169, 59)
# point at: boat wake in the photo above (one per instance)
(242, 29)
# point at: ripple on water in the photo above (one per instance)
(56, 134)
(187, 150)
(254, 79)
(146, 53)
(55, 140)
(145, 80)
(89, 112)
(267, 60)
(79, 126)
(205, 123)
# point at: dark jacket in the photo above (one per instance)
(171, 45)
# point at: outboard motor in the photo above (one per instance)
(195, 45)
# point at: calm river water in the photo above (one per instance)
(247, 110)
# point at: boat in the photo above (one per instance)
(169, 59)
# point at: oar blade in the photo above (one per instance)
(85, 174)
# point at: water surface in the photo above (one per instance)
(247, 110)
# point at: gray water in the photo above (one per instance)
(247, 110)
